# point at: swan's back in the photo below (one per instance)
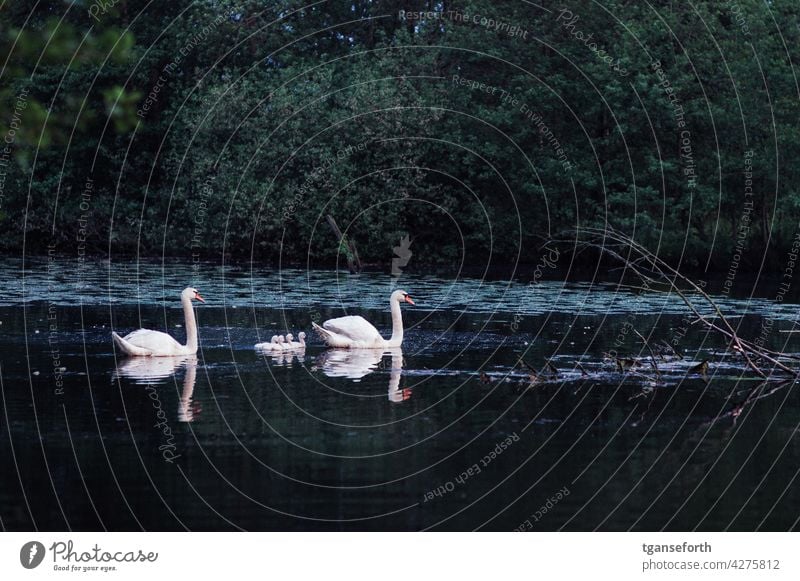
(155, 341)
(353, 327)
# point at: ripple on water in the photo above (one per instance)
(102, 282)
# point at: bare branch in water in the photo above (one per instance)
(658, 276)
(652, 354)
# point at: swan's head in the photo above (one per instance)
(192, 294)
(274, 339)
(301, 335)
(402, 296)
(281, 339)
(289, 337)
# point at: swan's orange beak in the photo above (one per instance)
(408, 300)
(198, 297)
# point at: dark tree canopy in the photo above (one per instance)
(475, 127)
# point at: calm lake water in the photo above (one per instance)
(414, 439)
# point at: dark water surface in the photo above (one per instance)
(407, 440)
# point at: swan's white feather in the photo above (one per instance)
(355, 328)
(354, 332)
(149, 343)
(145, 342)
(128, 348)
(334, 339)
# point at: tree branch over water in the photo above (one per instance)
(658, 276)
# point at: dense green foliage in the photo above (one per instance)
(269, 115)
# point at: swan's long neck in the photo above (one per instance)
(191, 325)
(397, 325)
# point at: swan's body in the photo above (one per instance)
(148, 343)
(354, 332)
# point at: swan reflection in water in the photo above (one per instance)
(154, 370)
(356, 364)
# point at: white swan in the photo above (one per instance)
(147, 343)
(271, 345)
(356, 332)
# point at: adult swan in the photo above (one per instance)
(355, 332)
(147, 343)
